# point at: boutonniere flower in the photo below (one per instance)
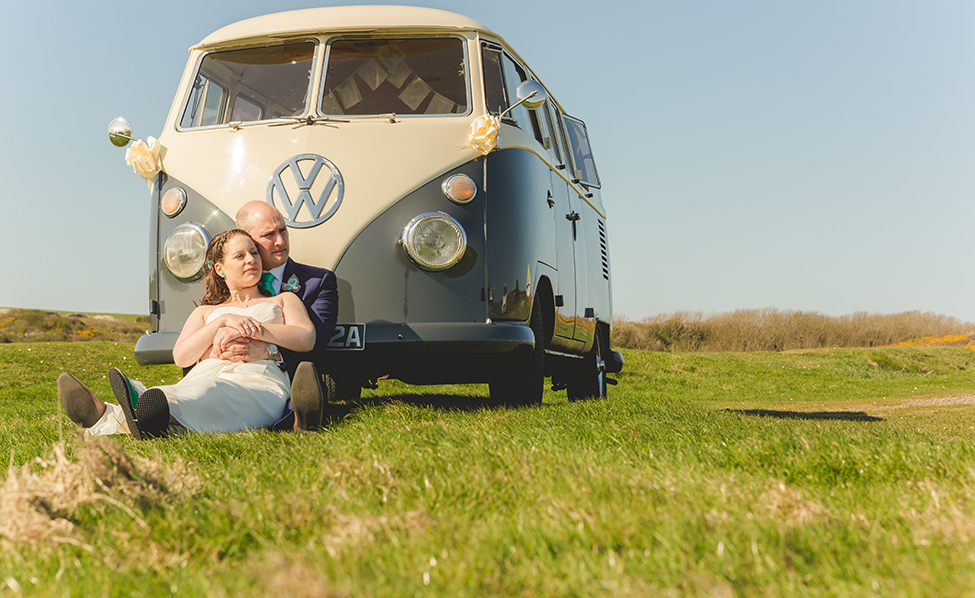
(292, 285)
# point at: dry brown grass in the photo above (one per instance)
(771, 329)
(38, 500)
(286, 575)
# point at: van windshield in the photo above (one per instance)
(400, 76)
(250, 84)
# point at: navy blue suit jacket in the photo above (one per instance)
(318, 291)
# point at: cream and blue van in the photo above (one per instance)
(416, 155)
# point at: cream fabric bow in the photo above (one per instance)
(484, 133)
(144, 159)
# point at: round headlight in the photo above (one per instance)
(459, 188)
(434, 241)
(185, 251)
(173, 201)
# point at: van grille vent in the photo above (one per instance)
(603, 249)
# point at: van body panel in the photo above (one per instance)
(379, 283)
(240, 164)
(341, 18)
(520, 231)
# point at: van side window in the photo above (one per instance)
(395, 76)
(584, 168)
(205, 105)
(548, 138)
(245, 85)
(493, 80)
(514, 75)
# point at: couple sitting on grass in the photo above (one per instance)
(230, 341)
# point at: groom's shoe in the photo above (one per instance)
(147, 415)
(78, 401)
(307, 398)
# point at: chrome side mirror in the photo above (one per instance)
(531, 94)
(120, 132)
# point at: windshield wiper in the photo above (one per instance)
(307, 120)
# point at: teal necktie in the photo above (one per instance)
(267, 283)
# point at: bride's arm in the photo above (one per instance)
(194, 339)
(297, 333)
(197, 337)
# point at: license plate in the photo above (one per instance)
(348, 337)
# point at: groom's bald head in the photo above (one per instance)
(266, 226)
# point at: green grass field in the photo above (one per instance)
(846, 472)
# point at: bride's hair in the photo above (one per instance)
(216, 287)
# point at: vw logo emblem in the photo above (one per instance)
(306, 181)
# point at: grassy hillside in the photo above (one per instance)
(782, 330)
(830, 472)
(36, 325)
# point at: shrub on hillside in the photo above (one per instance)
(771, 329)
(35, 325)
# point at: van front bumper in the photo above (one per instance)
(157, 348)
(419, 353)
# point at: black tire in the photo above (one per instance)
(589, 381)
(340, 389)
(523, 382)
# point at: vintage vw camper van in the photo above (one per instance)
(416, 155)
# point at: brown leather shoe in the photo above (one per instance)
(147, 415)
(307, 398)
(78, 401)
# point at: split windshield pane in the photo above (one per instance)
(250, 84)
(395, 76)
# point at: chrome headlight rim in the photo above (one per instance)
(445, 188)
(409, 234)
(204, 236)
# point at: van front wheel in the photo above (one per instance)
(523, 381)
(589, 381)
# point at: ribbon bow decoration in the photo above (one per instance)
(145, 159)
(484, 133)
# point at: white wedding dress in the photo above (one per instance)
(218, 395)
(227, 396)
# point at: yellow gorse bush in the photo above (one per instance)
(929, 341)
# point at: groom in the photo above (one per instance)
(315, 287)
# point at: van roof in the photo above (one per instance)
(341, 18)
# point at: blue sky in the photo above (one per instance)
(813, 156)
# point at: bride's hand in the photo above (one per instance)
(244, 349)
(244, 325)
(223, 337)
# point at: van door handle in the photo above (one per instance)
(573, 217)
(551, 202)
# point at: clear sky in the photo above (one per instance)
(815, 156)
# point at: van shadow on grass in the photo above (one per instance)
(852, 416)
(336, 412)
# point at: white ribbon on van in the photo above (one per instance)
(144, 159)
(484, 133)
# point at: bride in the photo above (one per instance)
(217, 395)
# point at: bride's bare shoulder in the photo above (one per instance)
(204, 311)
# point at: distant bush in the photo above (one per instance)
(776, 330)
(34, 325)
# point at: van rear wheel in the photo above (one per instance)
(522, 383)
(590, 380)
